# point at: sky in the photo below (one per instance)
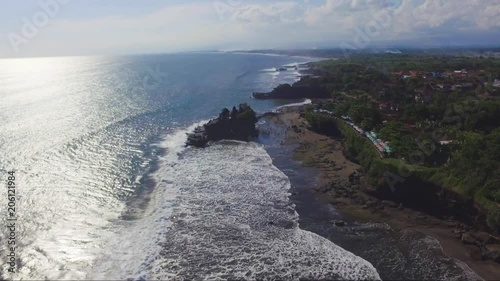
(104, 27)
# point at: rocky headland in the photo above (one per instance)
(287, 91)
(237, 124)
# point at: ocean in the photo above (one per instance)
(105, 188)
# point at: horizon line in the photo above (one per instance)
(361, 50)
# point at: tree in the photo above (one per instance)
(234, 113)
(224, 114)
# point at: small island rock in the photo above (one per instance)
(237, 124)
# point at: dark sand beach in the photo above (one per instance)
(400, 242)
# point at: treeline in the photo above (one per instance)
(322, 124)
(388, 63)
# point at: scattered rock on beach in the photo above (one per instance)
(483, 237)
(421, 217)
(340, 223)
(493, 256)
(390, 204)
(468, 239)
(474, 252)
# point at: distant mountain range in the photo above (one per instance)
(338, 52)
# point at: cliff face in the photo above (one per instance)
(286, 91)
(238, 124)
(420, 191)
(419, 194)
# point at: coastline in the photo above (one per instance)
(322, 159)
(278, 55)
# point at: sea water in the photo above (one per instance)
(106, 189)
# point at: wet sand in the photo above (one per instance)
(328, 171)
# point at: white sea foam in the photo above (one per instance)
(305, 102)
(223, 212)
(139, 240)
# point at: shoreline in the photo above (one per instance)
(334, 187)
(277, 55)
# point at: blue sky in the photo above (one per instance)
(84, 27)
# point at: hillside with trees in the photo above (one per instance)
(439, 114)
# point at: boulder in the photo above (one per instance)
(493, 256)
(340, 223)
(468, 239)
(493, 247)
(474, 252)
(493, 253)
(238, 124)
(483, 237)
(355, 178)
(390, 204)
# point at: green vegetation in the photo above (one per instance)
(440, 115)
(368, 117)
(321, 123)
(477, 158)
(421, 62)
(402, 141)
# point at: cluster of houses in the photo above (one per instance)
(434, 82)
(424, 94)
(331, 113)
(450, 81)
(381, 146)
(384, 106)
(463, 73)
(443, 82)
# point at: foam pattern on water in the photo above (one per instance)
(134, 244)
(232, 219)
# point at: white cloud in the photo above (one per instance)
(253, 24)
(284, 12)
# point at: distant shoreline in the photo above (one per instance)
(279, 55)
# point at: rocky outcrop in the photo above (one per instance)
(238, 124)
(287, 91)
(480, 245)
